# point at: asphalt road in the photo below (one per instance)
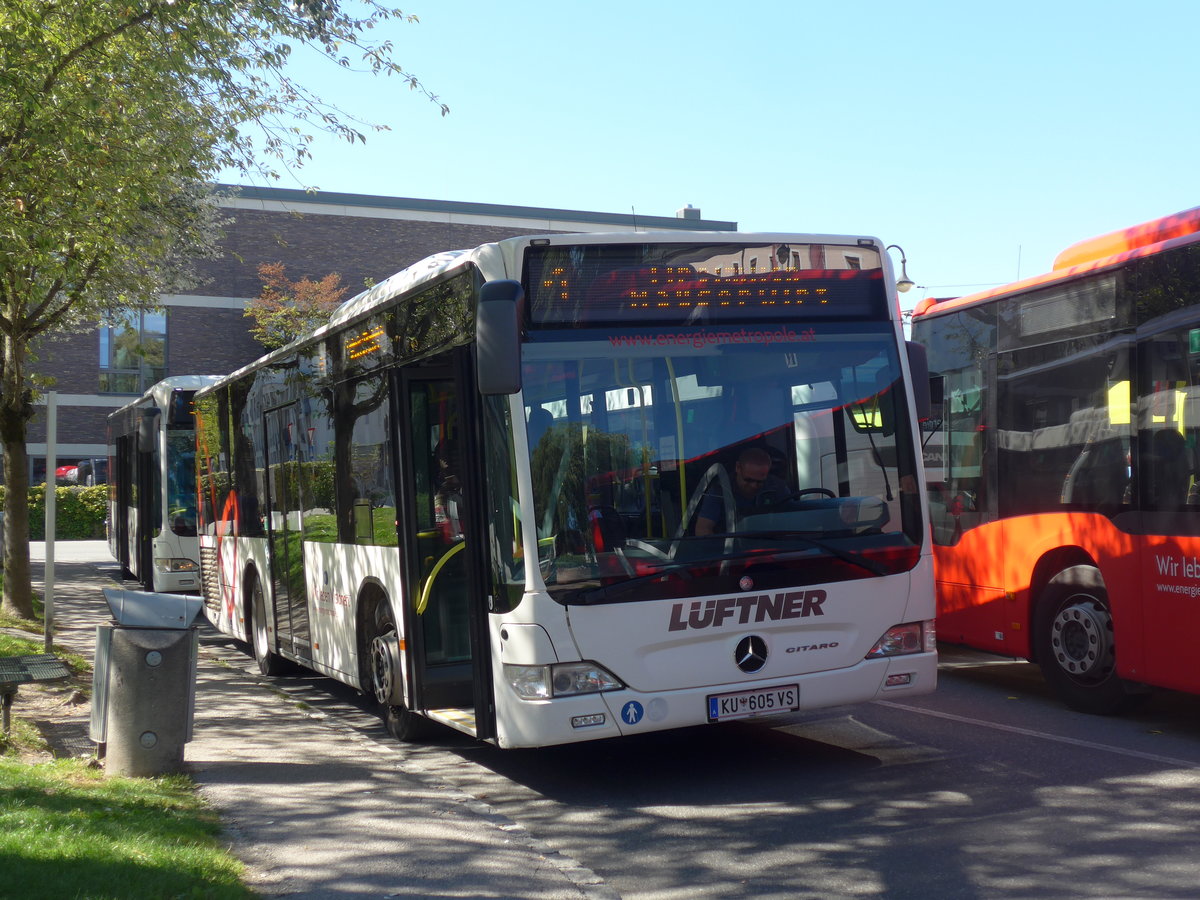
(987, 789)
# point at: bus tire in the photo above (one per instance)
(405, 725)
(1076, 647)
(380, 672)
(269, 662)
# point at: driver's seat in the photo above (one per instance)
(609, 533)
(608, 529)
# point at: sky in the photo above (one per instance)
(982, 138)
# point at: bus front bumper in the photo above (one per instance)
(536, 723)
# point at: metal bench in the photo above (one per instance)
(18, 670)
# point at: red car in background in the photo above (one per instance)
(86, 472)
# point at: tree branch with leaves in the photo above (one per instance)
(286, 309)
(115, 118)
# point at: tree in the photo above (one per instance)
(115, 117)
(287, 309)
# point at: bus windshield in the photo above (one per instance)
(181, 482)
(686, 461)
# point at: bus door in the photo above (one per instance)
(443, 576)
(1167, 477)
(122, 485)
(286, 454)
(146, 505)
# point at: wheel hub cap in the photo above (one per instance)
(1081, 636)
(385, 661)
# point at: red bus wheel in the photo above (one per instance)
(1076, 644)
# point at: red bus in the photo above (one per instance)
(1062, 465)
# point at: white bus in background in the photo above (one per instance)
(152, 486)
(475, 493)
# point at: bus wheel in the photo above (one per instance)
(384, 675)
(269, 662)
(1075, 645)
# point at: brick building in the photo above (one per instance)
(205, 333)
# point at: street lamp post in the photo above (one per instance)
(903, 283)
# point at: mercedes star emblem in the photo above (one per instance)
(751, 653)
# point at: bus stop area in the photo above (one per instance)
(315, 806)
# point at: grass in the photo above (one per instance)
(33, 626)
(12, 645)
(68, 831)
(22, 735)
(15, 645)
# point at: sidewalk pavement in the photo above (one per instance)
(317, 809)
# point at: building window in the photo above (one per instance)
(133, 352)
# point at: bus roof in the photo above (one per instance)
(500, 259)
(160, 393)
(1091, 255)
(490, 257)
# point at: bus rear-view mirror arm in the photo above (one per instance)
(498, 337)
(918, 367)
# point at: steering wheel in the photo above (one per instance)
(824, 492)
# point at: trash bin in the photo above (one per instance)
(144, 681)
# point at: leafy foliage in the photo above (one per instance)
(115, 116)
(287, 309)
(79, 512)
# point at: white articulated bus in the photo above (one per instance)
(570, 487)
(152, 486)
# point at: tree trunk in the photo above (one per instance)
(14, 417)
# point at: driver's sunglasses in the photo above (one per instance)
(754, 480)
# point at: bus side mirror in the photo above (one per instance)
(498, 337)
(147, 431)
(918, 368)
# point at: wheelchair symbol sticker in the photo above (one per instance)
(631, 712)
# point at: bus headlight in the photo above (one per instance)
(175, 565)
(901, 640)
(560, 680)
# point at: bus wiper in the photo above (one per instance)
(846, 556)
(609, 593)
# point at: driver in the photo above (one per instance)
(753, 486)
